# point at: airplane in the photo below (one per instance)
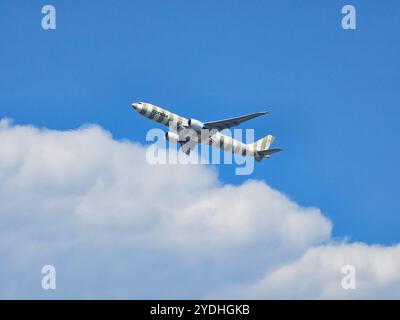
(259, 149)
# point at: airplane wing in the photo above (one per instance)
(228, 123)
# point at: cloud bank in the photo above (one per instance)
(115, 226)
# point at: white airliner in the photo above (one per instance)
(181, 132)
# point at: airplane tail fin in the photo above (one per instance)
(264, 143)
(262, 147)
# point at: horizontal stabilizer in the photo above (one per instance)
(269, 152)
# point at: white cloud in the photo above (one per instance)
(317, 274)
(115, 226)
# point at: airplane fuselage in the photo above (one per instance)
(172, 120)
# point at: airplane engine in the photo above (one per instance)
(196, 124)
(172, 137)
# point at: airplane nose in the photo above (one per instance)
(138, 106)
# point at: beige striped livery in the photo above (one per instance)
(177, 124)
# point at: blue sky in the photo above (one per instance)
(334, 94)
